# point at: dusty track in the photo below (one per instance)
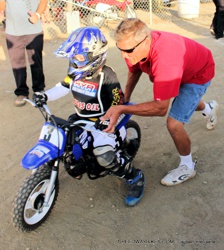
(91, 214)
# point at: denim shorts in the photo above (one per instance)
(184, 105)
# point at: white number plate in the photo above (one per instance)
(52, 134)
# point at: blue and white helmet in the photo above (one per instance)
(88, 42)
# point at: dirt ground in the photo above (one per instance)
(91, 214)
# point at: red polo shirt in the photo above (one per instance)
(174, 60)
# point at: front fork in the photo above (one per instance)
(53, 177)
(51, 185)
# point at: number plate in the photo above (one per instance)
(52, 134)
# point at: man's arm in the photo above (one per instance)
(153, 108)
(2, 9)
(2, 5)
(130, 85)
(34, 17)
(41, 7)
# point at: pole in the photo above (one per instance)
(150, 12)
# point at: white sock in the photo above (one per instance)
(187, 161)
(207, 109)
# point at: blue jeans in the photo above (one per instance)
(184, 105)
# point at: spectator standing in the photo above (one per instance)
(24, 34)
(217, 26)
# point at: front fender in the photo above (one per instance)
(41, 153)
(50, 146)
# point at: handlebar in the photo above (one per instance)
(35, 105)
(87, 125)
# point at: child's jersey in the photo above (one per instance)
(93, 96)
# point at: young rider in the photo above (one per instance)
(95, 88)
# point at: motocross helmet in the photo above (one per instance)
(87, 43)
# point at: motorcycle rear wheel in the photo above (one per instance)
(28, 210)
(133, 138)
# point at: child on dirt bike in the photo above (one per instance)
(95, 88)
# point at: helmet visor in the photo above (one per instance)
(67, 49)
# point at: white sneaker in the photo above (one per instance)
(178, 175)
(212, 118)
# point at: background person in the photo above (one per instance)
(179, 68)
(217, 26)
(24, 34)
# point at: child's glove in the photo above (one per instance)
(101, 125)
(39, 98)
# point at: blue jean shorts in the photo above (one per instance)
(184, 105)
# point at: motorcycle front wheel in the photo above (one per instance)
(29, 211)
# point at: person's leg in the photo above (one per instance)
(16, 50)
(179, 136)
(119, 165)
(34, 47)
(135, 181)
(219, 27)
(213, 24)
(183, 106)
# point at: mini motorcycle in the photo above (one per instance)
(70, 143)
(110, 10)
(96, 12)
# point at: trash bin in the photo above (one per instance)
(188, 9)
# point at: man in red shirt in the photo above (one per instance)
(180, 69)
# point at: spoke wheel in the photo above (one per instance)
(29, 210)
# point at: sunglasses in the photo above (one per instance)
(131, 50)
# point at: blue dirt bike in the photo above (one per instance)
(70, 143)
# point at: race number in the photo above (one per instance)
(52, 134)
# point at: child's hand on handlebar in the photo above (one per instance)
(40, 98)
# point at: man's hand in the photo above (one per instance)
(34, 18)
(112, 115)
(101, 125)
